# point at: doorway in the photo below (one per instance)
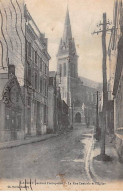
(78, 118)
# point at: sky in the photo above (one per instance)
(49, 15)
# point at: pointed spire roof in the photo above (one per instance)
(67, 35)
(67, 44)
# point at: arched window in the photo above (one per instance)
(64, 69)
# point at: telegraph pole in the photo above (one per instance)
(97, 115)
(105, 28)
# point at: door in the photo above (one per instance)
(78, 118)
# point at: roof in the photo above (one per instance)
(90, 83)
(67, 44)
(67, 28)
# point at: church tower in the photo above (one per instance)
(67, 62)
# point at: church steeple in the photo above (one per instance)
(67, 35)
(67, 61)
(67, 45)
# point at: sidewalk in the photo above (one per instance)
(16, 143)
(106, 171)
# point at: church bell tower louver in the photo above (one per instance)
(67, 61)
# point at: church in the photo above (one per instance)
(79, 93)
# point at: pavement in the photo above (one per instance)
(63, 157)
(29, 140)
(106, 171)
(68, 158)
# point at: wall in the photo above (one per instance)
(51, 108)
(12, 30)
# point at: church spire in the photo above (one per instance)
(67, 35)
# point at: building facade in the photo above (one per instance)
(115, 89)
(58, 118)
(118, 96)
(12, 57)
(77, 92)
(36, 79)
(11, 108)
(23, 52)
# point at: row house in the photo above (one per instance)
(12, 57)
(58, 110)
(118, 94)
(36, 79)
(23, 74)
(112, 61)
(115, 82)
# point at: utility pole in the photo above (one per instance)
(97, 116)
(105, 28)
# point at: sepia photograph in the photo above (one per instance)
(61, 95)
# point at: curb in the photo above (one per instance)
(87, 160)
(89, 166)
(95, 177)
(18, 143)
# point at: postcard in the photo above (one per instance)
(61, 95)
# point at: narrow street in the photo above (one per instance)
(64, 155)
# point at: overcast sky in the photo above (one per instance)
(49, 15)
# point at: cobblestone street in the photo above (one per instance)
(61, 156)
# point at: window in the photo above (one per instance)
(29, 101)
(17, 97)
(11, 69)
(64, 69)
(45, 88)
(18, 122)
(7, 119)
(33, 53)
(36, 81)
(72, 70)
(45, 69)
(29, 49)
(92, 97)
(51, 81)
(29, 75)
(45, 114)
(63, 92)
(40, 84)
(88, 96)
(38, 60)
(40, 64)
(60, 70)
(36, 56)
